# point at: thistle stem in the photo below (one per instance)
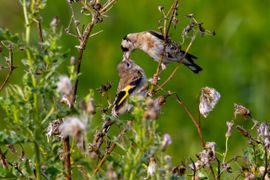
(226, 150)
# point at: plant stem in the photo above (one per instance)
(177, 67)
(3, 159)
(10, 67)
(83, 43)
(212, 172)
(169, 78)
(37, 163)
(67, 158)
(198, 127)
(27, 24)
(108, 6)
(165, 31)
(35, 97)
(226, 149)
(265, 162)
(120, 135)
(40, 34)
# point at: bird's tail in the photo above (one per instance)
(189, 62)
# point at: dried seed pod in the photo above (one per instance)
(229, 129)
(243, 131)
(242, 111)
(104, 88)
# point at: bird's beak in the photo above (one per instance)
(125, 56)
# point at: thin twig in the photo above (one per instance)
(3, 159)
(193, 167)
(198, 127)
(170, 77)
(165, 32)
(83, 38)
(212, 172)
(15, 167)
(108, 6)
(83, 43)
(265, 162)
(120, 135)
(219, 172)
(174, 9)
(5, 163)
(10, 67)
(76, 24)
(40, 34)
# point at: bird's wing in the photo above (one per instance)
(124, 93)
(157, 34)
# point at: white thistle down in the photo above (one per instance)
(64, 85)
(208, 100)
(74, 127)
(263, 131)
(152, 167)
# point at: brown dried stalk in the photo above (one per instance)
(40, 34)
(166, 28)
(83, 39)
(265, 162)
(197, 125)
(3, 159)
(10, 67)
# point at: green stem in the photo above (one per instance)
(27, 24)
(37, 163)
(35, 96)
(226, 150)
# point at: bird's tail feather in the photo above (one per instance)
(193, 67)
(189, 62)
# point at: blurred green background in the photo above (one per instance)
(235, 61)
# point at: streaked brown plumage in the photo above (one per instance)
(154, 44)
(132, 81)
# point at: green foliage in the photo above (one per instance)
(6, 35)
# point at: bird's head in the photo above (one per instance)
(127, 45)
(125, 66)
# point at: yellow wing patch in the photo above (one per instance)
(126, 90)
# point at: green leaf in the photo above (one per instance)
(6, 35)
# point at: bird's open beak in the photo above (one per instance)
(125, 56)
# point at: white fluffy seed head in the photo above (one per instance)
(208, 100)
(64, 85)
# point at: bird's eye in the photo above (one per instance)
(128, 65)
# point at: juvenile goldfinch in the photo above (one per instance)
(152, 43)
(132, 82)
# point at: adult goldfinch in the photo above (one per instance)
(132, 82)
(154, 44)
